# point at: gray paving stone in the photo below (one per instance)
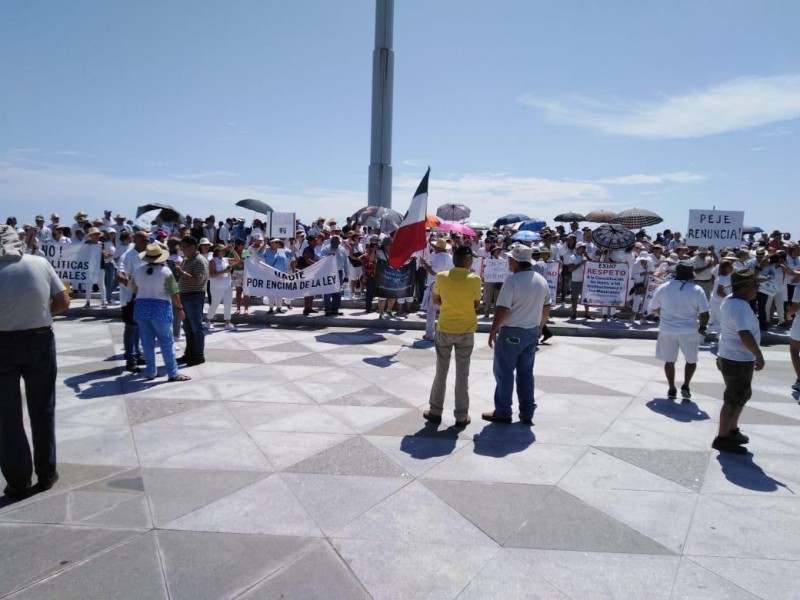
(332, 579)
(201, 565)
(32, 552)
(562, 522)
(370, 396)
(694, 582)
(566, 385)
(684, 467)
(354, 456)
(762, 578)
(144, 409)
(412, 423)
(306, 360)
(756, 416)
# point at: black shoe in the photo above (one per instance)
(495, 418)
(313, 310)
(429, 416)
(306, 312)
(546, 335)
(528, 422)
(45, 484)
(338, 314)
(195, 361)
(726, 444)
(463, 422)
(132, 367)
(672, 394)
(328, 314)
(737, 437)
(19, 493)
(182, 360)
(141, 362)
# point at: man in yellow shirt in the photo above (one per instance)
(457, 292)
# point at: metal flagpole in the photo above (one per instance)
(380, 167)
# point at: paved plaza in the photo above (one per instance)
(297, 464)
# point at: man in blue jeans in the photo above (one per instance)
(32, 293)
(522, 307)
(193, 275)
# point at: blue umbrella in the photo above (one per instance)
(526, 236)
(532, 225)
(512, 218)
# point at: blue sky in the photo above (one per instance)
(517, 106)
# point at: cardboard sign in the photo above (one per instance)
(76, 264)
(661, 275)
(716, 228)
(262, 280)
(605, 284)
(495, 270)
(281, 225)
(552, 275)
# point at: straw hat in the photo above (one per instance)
(154, 254)
(203, 242)
(520, 253)
(93, 230)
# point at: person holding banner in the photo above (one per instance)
(332, 302)
(522, 308)
(575, 265)
(219, 277)
(458, 293)
(679, 303)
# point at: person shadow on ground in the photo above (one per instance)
(685, 412)
(498, 440)
(430, 442)
(741, 470)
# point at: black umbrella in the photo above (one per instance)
(636, 218)
(748, 230)
(168, 213)
(569, 217)
(380, 213)
(613, 237)
(511, 218)
(258, 206)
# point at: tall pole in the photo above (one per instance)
(380, 166)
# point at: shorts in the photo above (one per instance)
(668, 345)
(794, 332)
(575, 288)
(738, 376)
(237, 279)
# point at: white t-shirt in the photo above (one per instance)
(680, 303)
(221, 278)
(128, 264)
(34, 283)
(577, 274)
(524, 294)
(736, 315)
(440, 261)
(725, 282)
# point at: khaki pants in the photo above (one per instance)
(463, 344)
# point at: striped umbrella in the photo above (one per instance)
(636, 218)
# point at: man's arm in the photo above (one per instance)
(750, 343)
(500, 314)
(545, 316)
(59, 303)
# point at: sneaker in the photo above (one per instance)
(672, 393)
(380, 316)
(230, 327)
(796, 386)
(737, 437)
(686, 393)
(725, 444)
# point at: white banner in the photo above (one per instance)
(262, 280)
(661, 275)
(495, 270)
(552, 275)
(281, 225)
(718, 228)
(76, 264)
(605, 284)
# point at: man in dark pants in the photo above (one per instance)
(27, 351)
(193, 274)
(128, 263)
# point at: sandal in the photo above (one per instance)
(179, 377)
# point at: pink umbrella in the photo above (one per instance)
(457, 228)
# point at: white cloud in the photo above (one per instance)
(642, 179)
(204, 175)
(734, 105)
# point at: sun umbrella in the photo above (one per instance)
(168, 213)
(569, 217)
(453, 212)
(636, 218)
(532, 225)
(378, 212)
(432, 220)
(475, 225)
(748, 230)
(600, 216)
(526, 236)
(457, 228)
(255, 205)
(613, 237)
(511, 218)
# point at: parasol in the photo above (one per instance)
(532, 225)
(432, 220)
(613, 237)
(377, 212)
(457, 228)
(569, 217)
(168, 213)
(476, 225)
(748, 230)
(526, 236)
(636, 218)
(255, 205)
(511, 218)
(453, 212)
(600, 216)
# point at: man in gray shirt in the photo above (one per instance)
(32, 293)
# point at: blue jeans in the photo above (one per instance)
(150, 331)
(32, 357)
(514, 350)
(130, 336)
(193, 303)
(110, 279)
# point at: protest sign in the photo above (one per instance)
(495, 270)
(262, 280)
(477, 266)
(281, 225)
(395, 283)
(552, 275)
(605, 284)
(76, 264)
(661, 275)
(716, 228)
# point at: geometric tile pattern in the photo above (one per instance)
(296, 464)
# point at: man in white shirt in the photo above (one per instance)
(441, 260)
(128, 264)
(679, 303)
(703, 264)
